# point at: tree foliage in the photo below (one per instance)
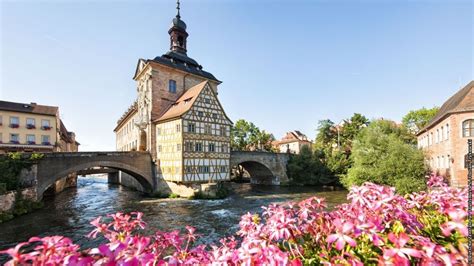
(334, 142)
(307, 168)
(383, 154)
(247, 136)
(415, 120)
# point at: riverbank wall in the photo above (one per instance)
(163, 187)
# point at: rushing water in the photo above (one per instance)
(70, 212)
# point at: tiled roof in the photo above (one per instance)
(181, 62)
(293, 136)
(32, 108)
(184, 102)
(462, 101)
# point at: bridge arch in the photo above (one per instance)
(258, 172)
(263, 167)
(57, 166)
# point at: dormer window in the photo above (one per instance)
(172, 86)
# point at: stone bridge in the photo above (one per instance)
(263, 167)
(55, 166)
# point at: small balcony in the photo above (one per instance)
(14, 125)
(14, 142)
(30, 126)
(46, 143)
(46, 128)
(31, 142)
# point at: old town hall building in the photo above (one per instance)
(177, 116)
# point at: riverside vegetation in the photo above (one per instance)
(11, 166)
(377, 226)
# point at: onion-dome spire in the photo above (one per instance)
(177, 32)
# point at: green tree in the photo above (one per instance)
(242, 134)
(334, 143)
(351, 128)
(381, 155)
(307, 168)
(247, 136)
(416, 120)
(326, 134)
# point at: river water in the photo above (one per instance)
(70, 212)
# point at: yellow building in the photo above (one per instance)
(170, 82)
(193, 138)
(33, 127)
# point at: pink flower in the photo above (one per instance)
(17, 258)
(399, 254)
(342, 237)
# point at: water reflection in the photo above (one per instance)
(70, 212)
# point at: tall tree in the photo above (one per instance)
(416, 120)
(326, 133)
(351, 128)
(247, 136)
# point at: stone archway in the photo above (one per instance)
(258, 173)
(136, 173)
(263, 167)
(55, 166)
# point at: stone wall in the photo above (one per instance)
(7, 200)
(129, 181)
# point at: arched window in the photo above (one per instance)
(180, 41)
(468, 128)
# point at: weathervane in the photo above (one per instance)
(177, 7)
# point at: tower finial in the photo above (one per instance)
(177, 7)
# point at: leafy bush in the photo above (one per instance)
(307, 168)
(11, 166)
(376, 227)
(382, 154)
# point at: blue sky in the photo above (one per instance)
(285, 65)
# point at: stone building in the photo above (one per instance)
(33, 128)
(445, 137)
(174, 81)
(292, 142)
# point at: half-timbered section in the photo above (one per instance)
(197, 125)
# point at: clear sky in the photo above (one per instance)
(285, 65)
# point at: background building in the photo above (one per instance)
(168, 87)
(445, 137)
(293, 142)
(33, 127)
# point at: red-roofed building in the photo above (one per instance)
(445, 137)
(292, 142)
(31, 127)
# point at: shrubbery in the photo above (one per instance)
(307, 168)
(383, 153)
(376, 227)
(10, 169)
